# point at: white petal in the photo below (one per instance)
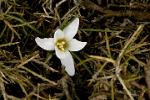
(61, 54)
(58, 35)
(71, 30)
(45, 43)
(69, 64)
(75, 45)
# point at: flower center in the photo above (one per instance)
(62, 44)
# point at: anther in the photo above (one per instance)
(61, 45)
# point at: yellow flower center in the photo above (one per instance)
(62, 44)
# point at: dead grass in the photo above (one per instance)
(113, 65)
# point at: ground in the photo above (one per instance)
(114, 65)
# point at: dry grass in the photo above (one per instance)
(113, 65)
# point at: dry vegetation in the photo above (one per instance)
(114, 65)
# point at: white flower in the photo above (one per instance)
(63, 43)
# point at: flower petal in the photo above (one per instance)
(58, 35)
(76, 45)
(71, 30)
(45, 43)
(69, 64)
(61, 54)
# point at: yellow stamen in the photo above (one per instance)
(62, 44)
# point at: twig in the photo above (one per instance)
(44, 65)
(25, 62)
(103, 58)
(8, 44)
(124, 87)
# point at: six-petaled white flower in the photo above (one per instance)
(63, 43)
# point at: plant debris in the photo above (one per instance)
(114, 65)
